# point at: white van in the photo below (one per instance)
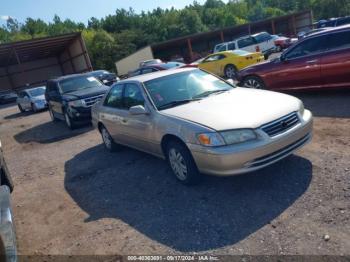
(261, 42)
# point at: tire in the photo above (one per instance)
(253, 82)
(20, 108)
(108, 141)
(182, 163)
(69, 121)
(34, 109)
(230, 72)
(53, 118)
(6, 180)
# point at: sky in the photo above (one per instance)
(78, 10)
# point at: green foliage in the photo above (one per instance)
(115, 36)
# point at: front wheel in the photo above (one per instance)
(230, 72)
(108, 140)
(34, 109)
(20, 108)
(182, 164)
(253, 82)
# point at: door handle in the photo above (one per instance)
(312, 61)
(124, 120)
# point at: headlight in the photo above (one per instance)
(76, 103)
(210, 139)
(238, 136)
(301, 109)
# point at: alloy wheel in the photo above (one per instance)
(230, 72)
(252, 83)
(178, 164)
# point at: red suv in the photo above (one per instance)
(321, 60)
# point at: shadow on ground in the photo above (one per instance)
(140, 190)
(327, 103)
(49, 132)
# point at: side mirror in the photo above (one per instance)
(138, 110)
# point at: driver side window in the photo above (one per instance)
(214, 58)
(308, 47)
(133, 96)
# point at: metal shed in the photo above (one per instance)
(33, 62)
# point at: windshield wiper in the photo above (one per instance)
(177, 103)
(208, 93)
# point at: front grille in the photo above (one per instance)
(281, 125)
(279, 153)
(92, 100)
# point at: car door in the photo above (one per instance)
(299, 67)
(138, 130)
(54, 99)
(211, 63)
(335, 62)
(112, 112)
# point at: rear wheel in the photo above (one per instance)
(182, 164)
(253, 82)
(53, 118)
(108, 140)
(230, 71)
(69, 121)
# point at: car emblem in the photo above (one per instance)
(283, 124)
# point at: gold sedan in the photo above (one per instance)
(227, 63)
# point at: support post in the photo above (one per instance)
(70, 60)
(86, 57)
(222, 36)
(189, 45)
(273, 27)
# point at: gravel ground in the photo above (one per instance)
(73, 197)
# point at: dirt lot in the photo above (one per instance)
(73, 197)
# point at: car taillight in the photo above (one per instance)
(257, 48)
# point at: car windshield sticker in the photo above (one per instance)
(91, 79)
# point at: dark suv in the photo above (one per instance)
(70, 98)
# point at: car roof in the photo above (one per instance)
(158, 74)
(60, 78)
(330, 30)
(33, 88)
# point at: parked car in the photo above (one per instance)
(302, 35)
(7, 97)
(104, 76)
(155, 67)
(281, 42)
(8, 250)
(32, 99)
(227, 63)
(70, 98)
(201, 123)
(150, 62)
(320, 60)
(262, 42)
(333, 22)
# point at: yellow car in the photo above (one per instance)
(227, 63)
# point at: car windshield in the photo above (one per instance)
(171, 90)
(78, 83)
(37, 92)
(240, 52)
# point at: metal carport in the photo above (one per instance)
(33, 62)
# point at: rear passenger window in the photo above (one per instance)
(231, 46)
(133, 96)
(222, 48)
(114, 97)
(339, 40)
(246, 42)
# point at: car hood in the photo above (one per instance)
(238, 108)
(85, 93)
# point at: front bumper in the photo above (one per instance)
(7, 232)
(80, 114)
(254, 155)
(41, 105)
